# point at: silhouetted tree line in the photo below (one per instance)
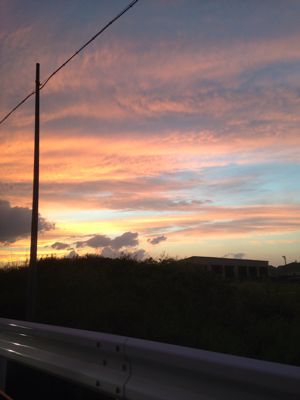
(163, 301)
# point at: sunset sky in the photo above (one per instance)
(175, 132)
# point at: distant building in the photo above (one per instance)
(231, 268)
(290, 271)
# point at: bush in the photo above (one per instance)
(163, 301)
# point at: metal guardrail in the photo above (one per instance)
(137, 369)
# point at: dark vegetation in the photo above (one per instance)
(162, 301)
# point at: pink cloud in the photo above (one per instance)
(228, 221)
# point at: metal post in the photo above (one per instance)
(32, 275)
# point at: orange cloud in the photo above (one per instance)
(125, 112)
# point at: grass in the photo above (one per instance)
(162, 301)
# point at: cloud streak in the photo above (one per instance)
(60, 246)
(235, 255)
(157, 239)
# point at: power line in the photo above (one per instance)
(16, 107)
(44, 83)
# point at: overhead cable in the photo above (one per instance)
(44, 83)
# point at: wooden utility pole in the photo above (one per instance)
(32, 274)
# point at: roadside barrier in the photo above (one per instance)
(137, 369)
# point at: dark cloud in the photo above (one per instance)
(235, 255)
(95, 242)
(127, 239)
(15, 222)
(157, 239)
(60, 246)
(113, 253)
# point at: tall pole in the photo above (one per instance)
(32, 274)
